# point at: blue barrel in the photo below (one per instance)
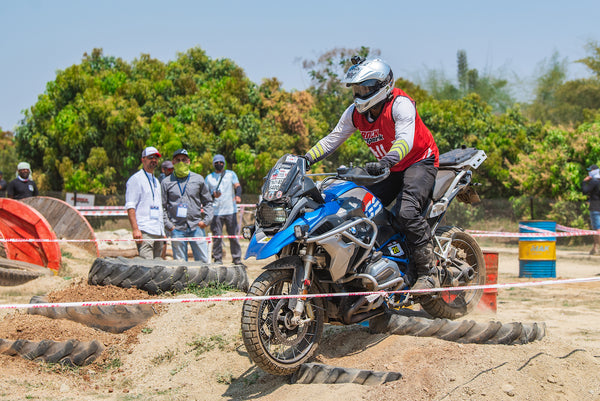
(537, 255)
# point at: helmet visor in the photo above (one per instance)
(366, 89)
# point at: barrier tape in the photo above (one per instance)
(248, 205)
(100, 207)
(206, 239)
(540, 233)
(277, 297)
(567, 232)
(104, 213)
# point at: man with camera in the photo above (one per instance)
(226, 191)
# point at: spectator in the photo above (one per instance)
(166, 168)
(226, 191)
(3, 185)
(591, 187)
(143, 202)
(188, 209)
(23, 186)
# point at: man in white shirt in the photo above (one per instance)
(143, 201)
(226, 191)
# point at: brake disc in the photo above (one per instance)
(284, 331)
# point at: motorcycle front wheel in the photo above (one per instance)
(454, 304)
(273, 342)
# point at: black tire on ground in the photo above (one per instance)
(111, 318)
(454, 304)
(275, 344)
(156, 276)
(12, 277)
(18, 264)
(71, 352)
(16, 272)
(465, 331)
(316, 373)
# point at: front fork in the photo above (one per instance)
(304, 288)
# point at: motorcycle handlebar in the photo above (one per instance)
(360, 176)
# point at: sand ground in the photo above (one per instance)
(195, 351)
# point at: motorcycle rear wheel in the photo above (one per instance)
(454, 304)
(273, 343)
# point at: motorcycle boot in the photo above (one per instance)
(427, 272)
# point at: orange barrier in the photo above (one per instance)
(488, 299)
(20, 221)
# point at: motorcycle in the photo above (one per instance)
(336, 237)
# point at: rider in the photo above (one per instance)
(390, 125)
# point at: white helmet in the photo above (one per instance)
(371, 81)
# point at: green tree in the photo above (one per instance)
(493, 90)
(551, 78)
(8, 157)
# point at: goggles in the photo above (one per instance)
(366, 89)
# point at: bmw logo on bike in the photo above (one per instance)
(371, 205)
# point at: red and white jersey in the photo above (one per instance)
(397, 135)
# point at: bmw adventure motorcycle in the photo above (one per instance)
(335, 237)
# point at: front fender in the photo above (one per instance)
(262, 246)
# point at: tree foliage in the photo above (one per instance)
(561, 102)
(87, 130)
(491, 89)
(8, 157)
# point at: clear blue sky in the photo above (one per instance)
(268, 38)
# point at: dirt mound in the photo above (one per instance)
(80, 291)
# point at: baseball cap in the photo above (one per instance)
(592, 167)
(218, 158)
(167, 164)
(149, 151)
(23, 166)
(180, 152)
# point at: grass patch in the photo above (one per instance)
(60, 368)
(225, 378)
(164, 357)
(178, 369)
(211, 290)
(114, 363)
(205, 344)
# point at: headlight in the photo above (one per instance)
(268, 215)
(248, 231)
(279, 215)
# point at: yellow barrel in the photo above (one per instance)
(537, 255)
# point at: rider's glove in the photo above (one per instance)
(376, 168)
(307, 161)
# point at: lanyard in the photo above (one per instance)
(152, 184)
(186, 182)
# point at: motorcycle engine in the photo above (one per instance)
(382, 274)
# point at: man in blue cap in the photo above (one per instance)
(226, 191)
(188, 209)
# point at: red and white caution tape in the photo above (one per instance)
(100, 207)
(205, 239)
(540, 233)
(104, 213)
(277, 297)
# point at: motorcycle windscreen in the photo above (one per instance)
(284, 178)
